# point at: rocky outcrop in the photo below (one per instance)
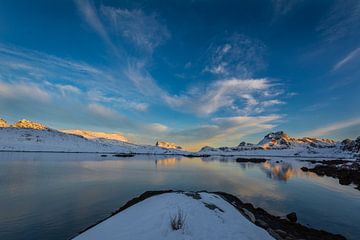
(97, 135)
(351, 145)
(170, 145)
(29, 124)
(245, 144)
(3, 123)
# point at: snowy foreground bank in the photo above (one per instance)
(189, 215)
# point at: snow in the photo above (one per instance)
(50, 140)
(151, 219)
(27, 139)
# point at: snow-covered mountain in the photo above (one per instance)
(97, 135)
(168, 145)
(31, 136)
(281, 144)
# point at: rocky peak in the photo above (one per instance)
(29, 124)
(3, 123)
(351, 145)
(275, 139)
(171, 145)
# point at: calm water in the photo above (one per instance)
(53, 196)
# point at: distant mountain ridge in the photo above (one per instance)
(273, 142)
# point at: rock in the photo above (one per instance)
(351, 145)
(3, 123)
(29, 124)
(261, 223)
(169, 145)
(304, 169)
(250, 215)
(274, 234)
(245, 144)
(292, 217)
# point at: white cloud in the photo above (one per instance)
(348, 58)
(22, 90)
(143, 30)
(157, 127)
(323, 131)
(239, 95)
(101, 110)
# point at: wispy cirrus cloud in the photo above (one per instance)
(90, 15)
(235, 55)
(323, 131)
(282, 7)
(144, 30)
(64, 76)
(347, 59)
(342, 20)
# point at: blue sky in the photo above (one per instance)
(194, 72)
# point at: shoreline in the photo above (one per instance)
(183, 155)
(278, 227)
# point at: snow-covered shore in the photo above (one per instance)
(209, 217)
(197, 215)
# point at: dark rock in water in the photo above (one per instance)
(124, 155)
(253, 160)
(304, 169)
(340, 169)
(103, 155)
(292, 217)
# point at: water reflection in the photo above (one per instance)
(167, 161)
(279, 171)
(79, 189)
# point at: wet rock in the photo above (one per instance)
(124, 155)
(292, 217)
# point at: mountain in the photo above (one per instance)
(3, 123)
(281, 140)
(281, 144)
(26, 135)
(168, 145)
(97, 135)
(29, 124)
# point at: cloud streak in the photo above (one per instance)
(323, 131)
(347, 59)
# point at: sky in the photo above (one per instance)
(192, 72)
